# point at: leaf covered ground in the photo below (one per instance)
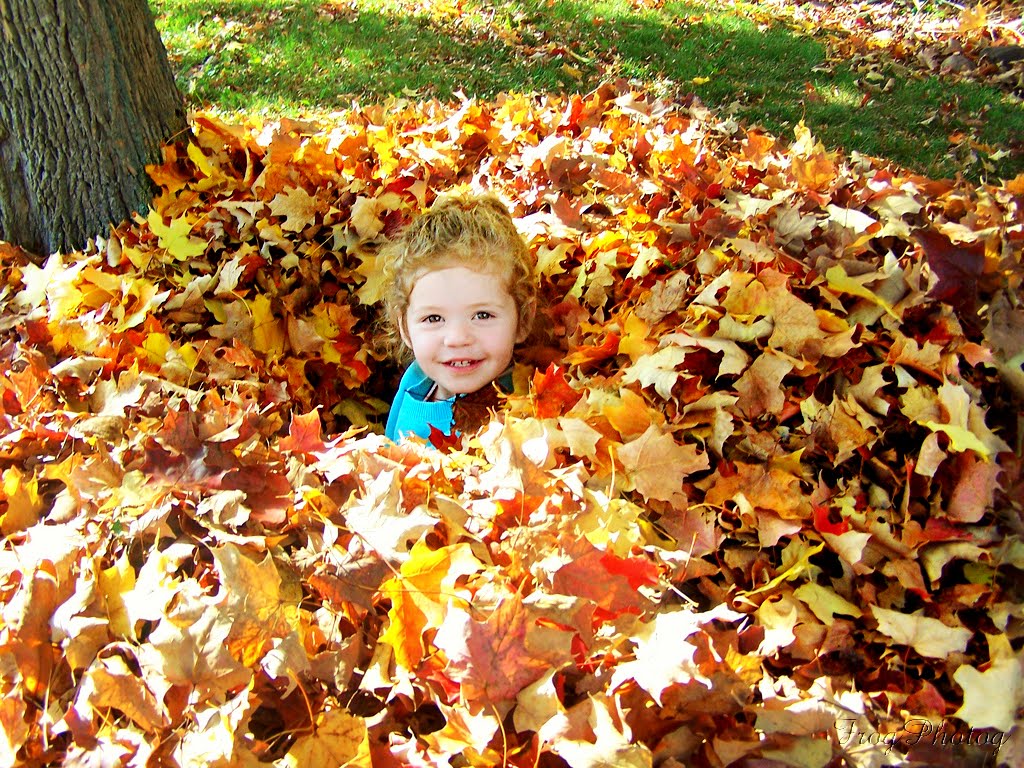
(926, 84)
(756, 500)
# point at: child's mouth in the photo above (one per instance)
(461, 363)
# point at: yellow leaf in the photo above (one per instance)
(636, 341)
(795, 569)
(814, 171)
(839, 281)
(113, 583)
(961, 439)
(372, 289)
(549, 260)
(197, 157)
(156, 347)
(24, 504)
(253, 603)
(973, 18)
(338, 739)
(268, 333)
(825, 603)
(174, 238)
(420, 596)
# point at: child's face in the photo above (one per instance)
(461, 326)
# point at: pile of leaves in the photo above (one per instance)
(981, 42)
(756, 500)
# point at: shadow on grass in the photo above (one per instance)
(289, 57)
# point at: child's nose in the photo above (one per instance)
(457, 334)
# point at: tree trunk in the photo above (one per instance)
(86, 99)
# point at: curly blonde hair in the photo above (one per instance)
(467, 230)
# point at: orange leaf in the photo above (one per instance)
(304, 435)
(495, 659)
(552, 394)
(656, 464)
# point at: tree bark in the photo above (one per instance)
(86, 99)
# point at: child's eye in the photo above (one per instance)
(483, 315)
(430, 319)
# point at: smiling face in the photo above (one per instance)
(461, 325)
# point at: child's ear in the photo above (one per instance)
(526, 323)
(403, 331)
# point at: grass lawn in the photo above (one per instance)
(314, 56)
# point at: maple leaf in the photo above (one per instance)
(32, 652)
(927, 636)
(366, 217)
(36, 280)
(611, 743)
(494, 659)
(24, 504)
(825, 603)
(992, 697)
(663, 655)
(609, 581)
(297, 207)
(657, 370)
(175, 237)
(656, 464)
(372, 289)
(380, 521)
(420, 596)
(338, 739)
(254, 603)
(552, 393)
(304, 434)
(111, 684)
(760, 387)
(957, 270)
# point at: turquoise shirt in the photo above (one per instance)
(412, 413)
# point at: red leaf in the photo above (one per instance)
(957, 268)
(552, 392)
(304, 435)
(824, 525)
(609, 581)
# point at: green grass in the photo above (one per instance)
(303, 56)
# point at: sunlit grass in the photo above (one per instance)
(298, 57)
